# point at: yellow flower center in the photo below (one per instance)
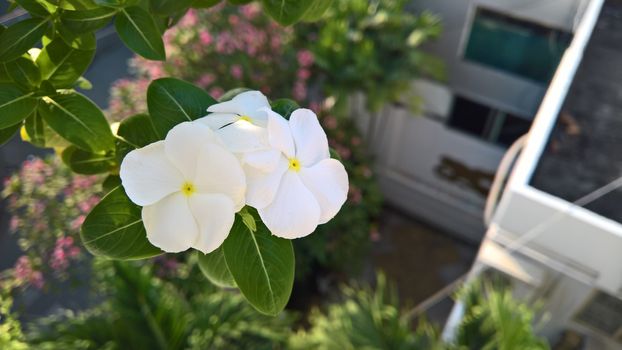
(294, 164)
(188, 189)
(246, 118)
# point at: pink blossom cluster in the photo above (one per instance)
(25, 274)
(64, 250)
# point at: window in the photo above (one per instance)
(516, 46)
(487, 123)
(603, 312)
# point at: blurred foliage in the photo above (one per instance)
(146, 308)
(47, 204)
(495, 320)
(372, 46)
(11, 336)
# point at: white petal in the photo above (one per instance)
(216, 121)
(242, 104)
(214, 214)
(220, 172)
(261, 185)
(148, 176)
(294, 213)
(243, 136)
(170, 224)
(328, 181)
(182, 145)
(279, 134)
(264, 160)
(309, 137)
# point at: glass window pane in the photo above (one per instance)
(515, 46)
(513, 127)
(469, 116)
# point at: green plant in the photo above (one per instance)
(11, 335)
(366, 319)
(495, 320)
(372, 47)
(144, 311)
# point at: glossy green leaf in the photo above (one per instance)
(284, 107)
(20, 37)
(111, 182)
(76, 40)
(139, 31)
(173, 101)
(15, 105)
(262, 266)
(214, 267)
(117, 3)
(286, 12)
(138, 130)
(40, 134)
(34, 8)
(78, 120)
(114, 229)
(239, 2)
(203, 4)
(24, 72)
(62, 65)
(74, 5)
(168, 7)
(87, 20)
(4, 74)
(7, 133)
(84, 162)
(317, 10)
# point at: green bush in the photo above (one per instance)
(145, 311)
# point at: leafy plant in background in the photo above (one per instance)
(37, 94)
(341, 244)
(145, 311)
(372, 47)
(495, 320)
(48, 204)
(11, 335)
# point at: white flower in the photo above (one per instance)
(295, 186)
(241, 122)
(190, 188)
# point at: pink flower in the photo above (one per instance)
(205, 37)
(250, 11)
(303, 74)
(305, 58)
(356, 141)
(300, 91)
(206, 80)
(234, 20)
(14, 223)
(216, 92)
(25, 274)
(190, 19)
(236, 71)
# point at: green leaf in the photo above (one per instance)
(239, 2)
(87, 20)
(168, 7)
(114, 229)
(111, 182)
(286, 12)
(214, 267)
(40, 134)
(284, 107)
(317, 10)
(262, 266)
(76, 40)
(15, 105)
(83, 84)
(78, 120)
(139, 31)
(203, 4)
(84, 162)
(20, 37)
(138, 130)
(73, 5)
(7, 133)
(34, 8)
(24, 72)
(117, 3)
(4, 74)
(173, 101)
(62, 65)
